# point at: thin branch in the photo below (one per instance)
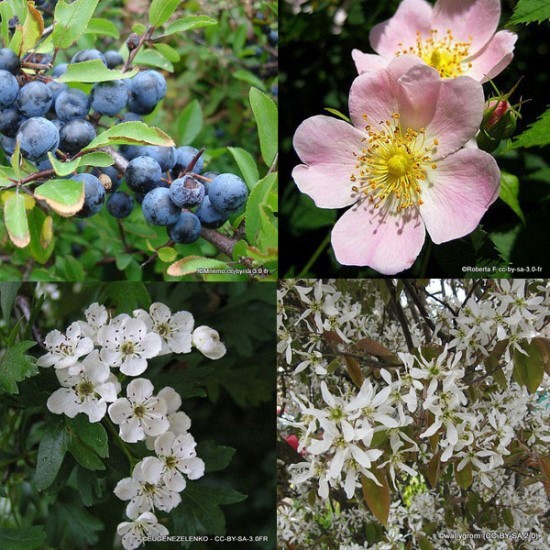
(400, 314)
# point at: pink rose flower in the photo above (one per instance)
(402, 165)
(456, 37)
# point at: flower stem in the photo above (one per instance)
(315, 255)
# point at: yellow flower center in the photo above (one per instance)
(442, 53)
(392, 164)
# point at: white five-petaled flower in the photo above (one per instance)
(87, 392)
(140, 413)
(174, 329)
(146, 489)
(97, 317)
(128, 344)
(177, 456)
(64, 350)
(143, 526)
(179, 421)
(207, 341)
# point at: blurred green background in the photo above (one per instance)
(317, 71)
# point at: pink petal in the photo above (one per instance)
(327, 145)
(494, 57)
(474, 20)
(391, 36)
(418, 90)
(366, 237)
(458, 194)
(375, 96)
(368, 62)
(457, 116)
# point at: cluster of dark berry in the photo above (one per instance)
(45, 116)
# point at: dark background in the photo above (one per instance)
(317, 71)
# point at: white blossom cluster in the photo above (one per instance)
(86, 359)
(439, 401)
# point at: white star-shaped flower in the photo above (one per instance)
(127, 343)
(178, 456)
(87, 392)
(174, 329)
(207, 341)
(143, 526)
(146, 489)
(97, 317)
(64, 350)
(140, 413)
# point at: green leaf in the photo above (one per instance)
(6, 14)
(201, 266)
(71, 20)
(216, 457)
(103, 27)
(15, 217)
(464, 477)
(248, 77)
(98, 159)
(188, 23)
(42, 238)
(74, 527)
(139, 28)
(15, 366)
(258, 212)
(167, 254)
(93, 71)
(203, 503)
(63, 168)
(509, 193)
(126, 296)
(306, 216)
(161, 10)
(537, 135)
(8, 294)
(84, 454)
(154, 58)
(377, 497)
(529, 11)
(337, 113)
(27, 538)
(168, 52)
(51, 453)
(31, 31)
(91, 433)
(189, 123)
(265, 112)
(247, 166)
(529, 369)
(66, 197)
(131, 133)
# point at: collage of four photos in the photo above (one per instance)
(196, 355)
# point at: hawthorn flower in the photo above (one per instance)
(177, 456)
(455, 38)
(97, 317)
(401, 165)
(140, 413)
(175, 330)
(135, 532)
(64, 350)
(128, 344)
(146, 490)
(86, 392)
(207, 341)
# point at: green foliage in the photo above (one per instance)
(27, 538)
(16, 365)
(51, 453)
(530, 11)
(509, 193)
(93, 71)
(161, 10)
(266, 115)
(537, 135)
(190, 122)
(71, 20)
